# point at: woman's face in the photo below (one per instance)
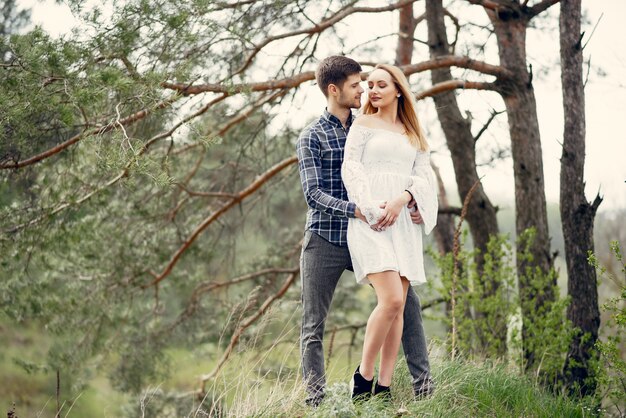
(381, 89)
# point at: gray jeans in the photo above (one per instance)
(322, 264)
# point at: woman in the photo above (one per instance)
(386, 165)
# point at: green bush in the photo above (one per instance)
(488, 309)
(610, 368)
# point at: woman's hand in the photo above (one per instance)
(391, 211)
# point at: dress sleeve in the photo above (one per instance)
(423, 187)
(354, 176)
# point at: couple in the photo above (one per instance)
(371, 222)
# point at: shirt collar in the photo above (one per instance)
(334, 120)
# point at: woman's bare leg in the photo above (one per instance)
(389, 349)
(391, 295)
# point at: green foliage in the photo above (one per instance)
(548, 333)
(488, 309)
(484, 300)
(84, 233)
(611, 364)
(79, 274)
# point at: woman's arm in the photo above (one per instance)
(423, 187)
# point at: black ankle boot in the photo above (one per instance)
(360, 387)
(383, 392)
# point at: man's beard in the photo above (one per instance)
(347, 101)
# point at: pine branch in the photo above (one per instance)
(226, 206)
(540, 7)
(209, 286)
(494, 113)
(125, 172)
(453, 85)
(298, 79)
(487, 4)
(320, 27)
(117, 124)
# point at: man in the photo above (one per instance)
(325, 253)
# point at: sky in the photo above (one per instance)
(605, 168)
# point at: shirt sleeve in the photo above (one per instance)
(423, 186)
(354, 175)
(310, 167)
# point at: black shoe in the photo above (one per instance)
(360, 387)
(314, 402)
(382, 392)
(424, 391)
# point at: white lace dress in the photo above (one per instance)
(379, 165)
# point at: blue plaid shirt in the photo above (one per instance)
(320, 154)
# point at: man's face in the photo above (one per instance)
(350, 93)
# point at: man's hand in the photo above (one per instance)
(358, 214)
(416, 216)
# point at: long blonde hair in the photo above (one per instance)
(406, 107)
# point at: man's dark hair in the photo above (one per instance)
(335, 70)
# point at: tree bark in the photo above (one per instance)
(444, 231)
(510, 23)
(481, 214)
(404, 50)
(577, 215)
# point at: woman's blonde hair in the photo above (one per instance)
(406, 107)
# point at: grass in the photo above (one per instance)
(34, 391)
(464, 389)
(261, 381)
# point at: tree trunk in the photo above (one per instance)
(577, 215)
(404, 50)
(481, 214)
(510, 25)
(444, 231)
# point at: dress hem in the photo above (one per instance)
(364, 280)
